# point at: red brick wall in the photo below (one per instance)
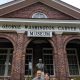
(58, 42)
(27, 12)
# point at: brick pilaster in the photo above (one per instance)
(60, 59)
(17, 59)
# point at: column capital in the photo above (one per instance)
(58, 32)
(21, 31)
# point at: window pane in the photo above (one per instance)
(39, 15)
(48, 60)
(28, 58)
(5, 61)
(73, 61)
(73, 70)
(2, 70)
(9, 70)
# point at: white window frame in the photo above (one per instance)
(53, 59)
(32, 61)
(77, 60)
(7, 63)
(39, 15)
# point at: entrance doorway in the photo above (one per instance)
(39, 48)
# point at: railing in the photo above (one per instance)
(74, 78)
(28, 77)
(4, 77)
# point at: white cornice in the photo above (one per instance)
(44, 21)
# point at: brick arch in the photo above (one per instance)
(27, 41)
(9, 38)
(69, 39)
(51, 41)
(53, 44)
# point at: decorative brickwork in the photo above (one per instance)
(67, 38)
(10, 36)
(16, 70)
(61, 64)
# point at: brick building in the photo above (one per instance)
(33, 29)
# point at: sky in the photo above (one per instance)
(4, 1)
(75, 3)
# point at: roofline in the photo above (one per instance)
(10, 3)
(63, 7)
(59, 5)
(15, 5)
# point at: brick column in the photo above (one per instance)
(60, 59)
(23, 67)
(17, 59)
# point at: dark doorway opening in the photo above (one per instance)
(39, 48)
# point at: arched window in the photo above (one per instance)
(6, 54)
(73, 55)
(39, 15)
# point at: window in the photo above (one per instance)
(48, 60)
(5, 61)
(28, 59)
(39, 15)
(73, 61)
